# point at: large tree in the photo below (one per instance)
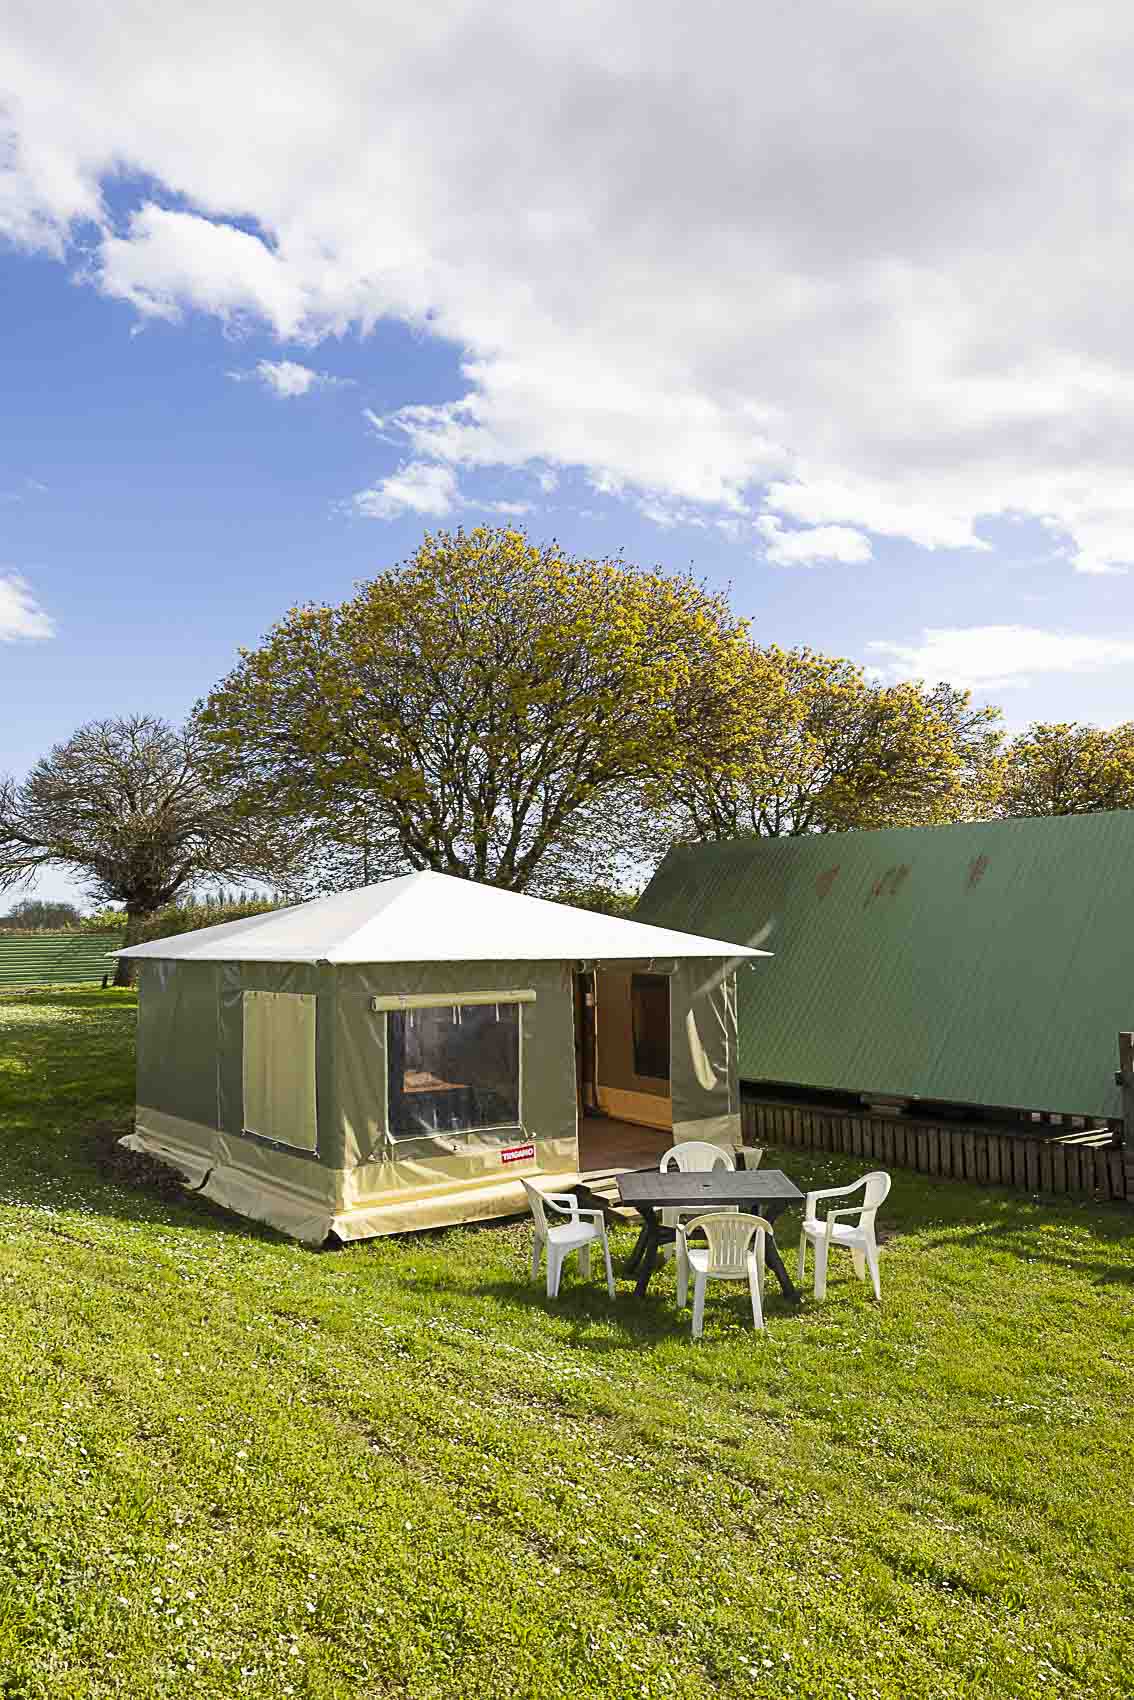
(489, 709)
(1067, 768)
(816, 746)
(126, 806)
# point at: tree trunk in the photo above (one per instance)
(124, 967)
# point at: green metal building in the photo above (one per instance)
(986, 965)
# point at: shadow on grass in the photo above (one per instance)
(1025, 1240)
(586, 1313)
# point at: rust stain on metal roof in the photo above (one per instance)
(827, 879)
(890, 883)
(977, 868)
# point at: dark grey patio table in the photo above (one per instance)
(763, 1192)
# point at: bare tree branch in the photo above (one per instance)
(126, 806)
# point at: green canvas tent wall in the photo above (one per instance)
(984, 965)
(403, 1056)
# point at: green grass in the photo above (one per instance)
(231, 1466)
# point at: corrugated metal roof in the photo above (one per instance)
(988, 964)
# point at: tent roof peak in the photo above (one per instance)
(433, 917)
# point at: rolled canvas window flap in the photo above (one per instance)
(279, 1067)
(454, 1000)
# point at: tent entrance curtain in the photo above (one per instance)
(453, 1069)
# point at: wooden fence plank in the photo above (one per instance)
(982, 1156)
(1117, 1174)
(1027, 1161)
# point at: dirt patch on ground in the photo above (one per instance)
(130, 1168)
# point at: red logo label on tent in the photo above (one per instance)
(517, 1153)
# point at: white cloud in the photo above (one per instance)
(809, 548)
(418, 488)
(818, 249)
(288, 378)
(509, 509)
(168, 261)
(986, 657)
(824, 504)
(20, 614)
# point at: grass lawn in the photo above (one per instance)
(231, 1466)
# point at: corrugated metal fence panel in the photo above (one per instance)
(975, 964)
(55, 959)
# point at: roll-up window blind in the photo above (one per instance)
(279, 1067)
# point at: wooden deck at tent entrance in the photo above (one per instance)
(608, 1148)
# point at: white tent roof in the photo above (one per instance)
(427, 917)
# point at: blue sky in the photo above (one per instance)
(248, 362)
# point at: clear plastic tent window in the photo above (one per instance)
(453, 1069)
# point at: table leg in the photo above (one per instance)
(635, 1257)
(773, 1259)
(650, 1240)
(649, 1264)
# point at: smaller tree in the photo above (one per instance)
(1067, 768)
(600, 899)
(815, 746)
(36, 914)
(126, 805)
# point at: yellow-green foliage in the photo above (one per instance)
(478, 704)
(1066, 768)
(815, 746)
(187, 917)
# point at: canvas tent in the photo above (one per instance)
(404, 1055)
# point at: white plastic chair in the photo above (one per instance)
(559, 1240)
(859, 1238)
(692, 1157)
(734, 1252)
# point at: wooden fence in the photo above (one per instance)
(1062, 1163)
